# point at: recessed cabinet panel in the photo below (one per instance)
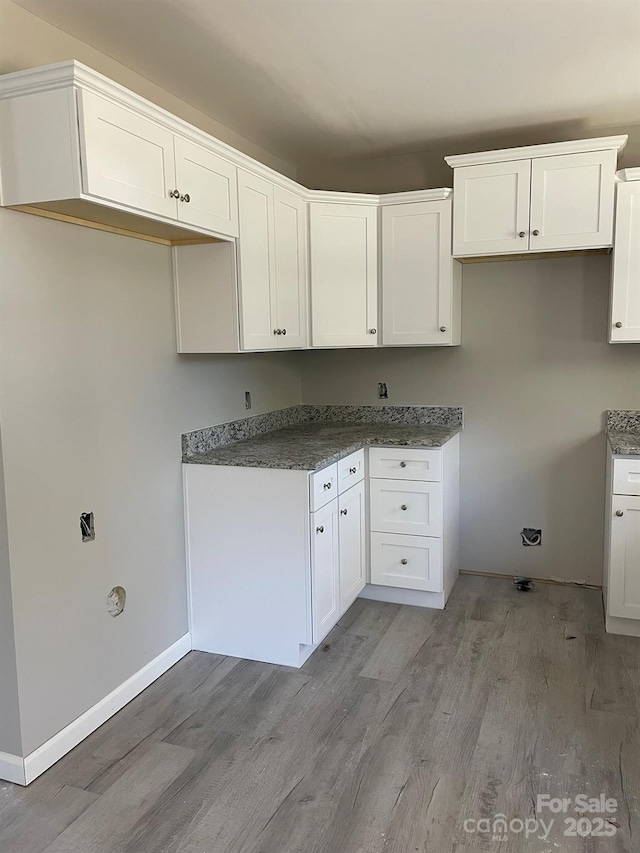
(410, 562)
(343, 239)
(209, 182)
(256, 262)
(405, 463)
(626, 476)
(126, 158)
(406, 507)
(352, 538)
(325, 592)
(323, 486)
(491, 208)
(625, 284)
(624, 568)
(572, 201)
(417, 274)
(291, 269)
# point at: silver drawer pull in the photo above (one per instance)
(619, 513)
(404, 507)
(352, 470)
(404, 561)
(320, 529)
(327, 486)
(403, 464)
(343, 512)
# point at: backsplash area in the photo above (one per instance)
(203, 440)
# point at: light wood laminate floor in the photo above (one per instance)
(412, 722)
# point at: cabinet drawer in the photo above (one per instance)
(323, 486)
(412, 562)
(413, 508)
(350, 471)
(626, 476)
(405, 463)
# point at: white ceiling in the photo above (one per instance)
(315, 79)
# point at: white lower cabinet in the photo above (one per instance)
(410, 562)
(325, 570)
(622, 570)
(352, 542)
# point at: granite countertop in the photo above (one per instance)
(311, 446)
(623, 431)
(624, 442)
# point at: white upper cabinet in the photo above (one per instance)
(536, 199)
(273, 265)
(344, 275)
(420, 281)
(572, 201)
(491, 208)
(625, 284)
(207, 186)
(125, 157)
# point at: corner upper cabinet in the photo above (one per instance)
(273, 273)
(420, 281)
(536, 199)
(625, 282)
(344, 274)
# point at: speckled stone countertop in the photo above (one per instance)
(623, 431)
(311, 446)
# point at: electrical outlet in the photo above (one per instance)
(531, 536)
(383, 393)
(247, 399)
(87, 528)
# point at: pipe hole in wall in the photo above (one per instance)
(116, 601)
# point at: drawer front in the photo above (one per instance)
(626, 476)
(411, 562)
(350, 471)
(324, 486)
(412, 508)
(398, 463)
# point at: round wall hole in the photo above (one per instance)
(116, 600)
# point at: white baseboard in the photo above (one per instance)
(24, 771)
(12, 768)
(625, 627)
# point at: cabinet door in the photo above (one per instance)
(256, 262)
(352, 544)
(126, 158)
(572, 201)
(624, 559)
(209, 184)
(491, 208)
(625, 284)
(325, 571)
(417, 274)
(291, 269)
(344, 279)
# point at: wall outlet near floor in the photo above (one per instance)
(383, 393)
(531, 536)
(247, 399)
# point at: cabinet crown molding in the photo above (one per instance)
(529, 152)
(629, 174)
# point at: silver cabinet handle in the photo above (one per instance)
(521, 234)
(619, 513)
(352, 470)
(343, 512)
(443, 328)
(536, 232)
(618, 325)
(174, 194)
(186, 197)
(327, 486)
(372, 331)
(403, 464)
(320, 529)
(404, 507)
(404, 561)
(284, 331)
(275, 331)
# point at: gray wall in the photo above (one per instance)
(93, 400)
(10, 740)
(534, 374)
